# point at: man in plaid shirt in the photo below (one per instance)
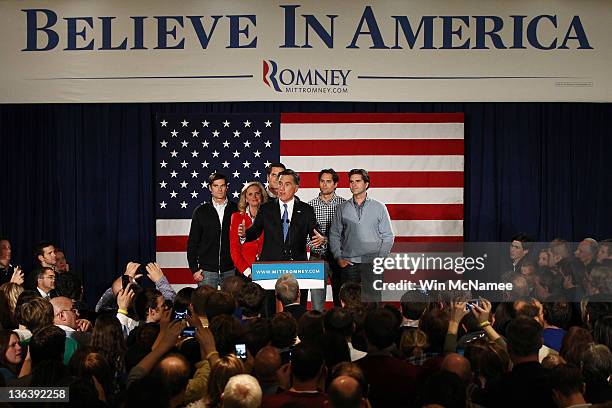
(325, 207)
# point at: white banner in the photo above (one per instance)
(343, 50)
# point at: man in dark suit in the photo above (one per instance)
(287, 291)
(286, 223)
(45, 283)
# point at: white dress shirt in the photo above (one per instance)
(290, 204)
(220, 209)
(42, 293)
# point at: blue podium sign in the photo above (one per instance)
(310, 274)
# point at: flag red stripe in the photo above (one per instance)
(171, 243)
(179, 276)
(394, 179)
(425, 211)
(396, 147)
(372, 117)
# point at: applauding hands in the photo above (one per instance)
(17, 276)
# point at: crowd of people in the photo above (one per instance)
(230, 343)
(145, 345)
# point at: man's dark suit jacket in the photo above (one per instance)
(268, 220)
(295, 310)
(51, 294)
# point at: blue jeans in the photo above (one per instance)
(215, 279)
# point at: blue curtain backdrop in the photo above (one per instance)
(81, 175)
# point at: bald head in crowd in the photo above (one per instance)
(267, 361)
(174, 371)
(587, 250)
(344, 392)
(456, 363)
(64, 312)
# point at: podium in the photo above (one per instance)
(309, 274)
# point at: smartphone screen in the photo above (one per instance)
(471, 302)
(179, 314)
(285, 356)
(125, 280)
(188, 332)
(241, 351)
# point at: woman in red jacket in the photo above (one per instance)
(252, 196)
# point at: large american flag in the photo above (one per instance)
(415, 163)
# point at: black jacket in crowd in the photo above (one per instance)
(205, 237)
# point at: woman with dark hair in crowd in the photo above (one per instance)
(596, 366)
(10, 354)
(310, 328)
(227, 331)
(574, 279)
(602, 331)
(93, 366)
(224, 369)
(333, 345)
(182, 300)
(107, 339)
(489, 361)
(575, 341)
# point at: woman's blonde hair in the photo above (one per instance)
(413, 342)
(224, 369)
(242, 203)
(11, 292)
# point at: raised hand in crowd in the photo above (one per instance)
(17, 276)
(130, 269)
(458, 310)
(164, 343)
(171, 334)
(242, 229)
(154, 272)
(164, 324)
(125, 297)
(482, 311)
(208, 348)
